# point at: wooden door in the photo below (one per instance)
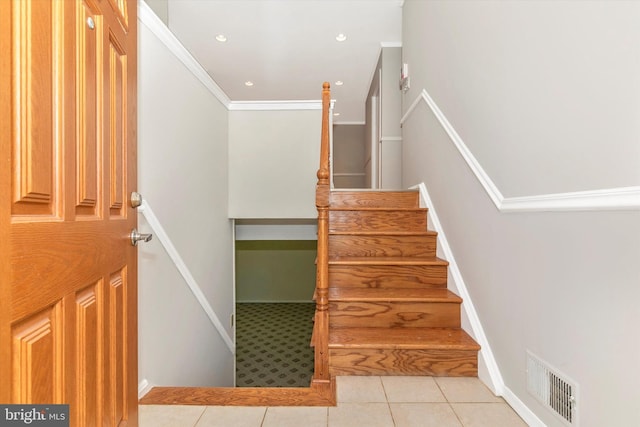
(68, 292)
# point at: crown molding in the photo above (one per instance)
(276, 105)
(149, 19)
(362, 123)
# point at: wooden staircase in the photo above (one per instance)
(389, 309)
(382, 303)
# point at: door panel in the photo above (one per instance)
(37, 357)
(117, 344)
(88, 341)
(89, 101)
(122, 8)
(68, 328)
(35, 142)
(116, 122)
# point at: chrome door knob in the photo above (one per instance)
(137, 237)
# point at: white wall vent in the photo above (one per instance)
(554, 390)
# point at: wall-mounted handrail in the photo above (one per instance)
(321, 326)
(171, 250)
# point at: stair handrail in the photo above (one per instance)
(321, 326)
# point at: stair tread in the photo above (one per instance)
(370, 191)
(381, 198)
(393, 295)
(384, 233)
(377, 209)
(387, 260)
(402, 338)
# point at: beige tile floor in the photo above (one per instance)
(362, 401)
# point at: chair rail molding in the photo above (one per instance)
(622, 198)
(171, 250)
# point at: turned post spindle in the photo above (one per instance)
(321, 371)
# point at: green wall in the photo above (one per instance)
(275, 270)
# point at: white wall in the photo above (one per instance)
(183, 167)
(275, 270)
(391, 98)
(273, 159)
(348, 155)
(160, 8)
(371, 132)
(387, 133)
(545, 95)
(554, 83)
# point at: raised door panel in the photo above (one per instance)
(89, 338)
(89, 104)
(37, 358)
(117, 355)
(116, 119)
(38, 105)
(36, 70)
(121, 7)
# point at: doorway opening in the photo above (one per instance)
(275, 281)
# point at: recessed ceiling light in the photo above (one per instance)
(221, 38)
(341, 37)
(336, 114)
(248, 83)
(339, 83)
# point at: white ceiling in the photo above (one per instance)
(288, 48)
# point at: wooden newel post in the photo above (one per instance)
(321, 368)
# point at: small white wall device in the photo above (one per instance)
(404, 78)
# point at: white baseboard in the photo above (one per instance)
(144, 387)
(497, 383)
(521, 409)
